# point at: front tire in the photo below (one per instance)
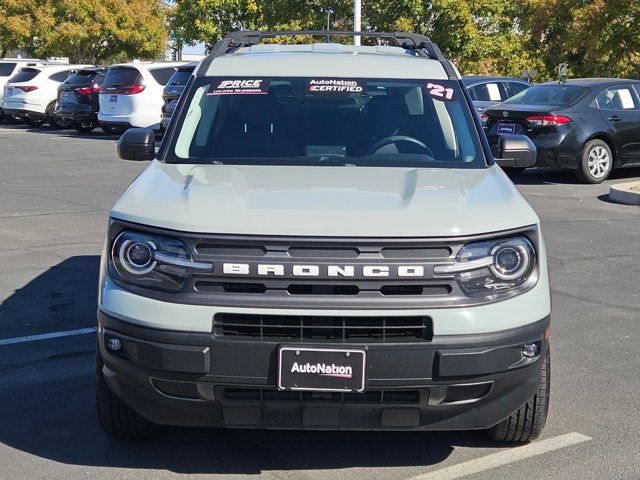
(527, 423)
(596, 162)
(116, 418)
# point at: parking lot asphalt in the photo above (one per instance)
(56, 189)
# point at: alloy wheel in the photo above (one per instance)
(599, 162)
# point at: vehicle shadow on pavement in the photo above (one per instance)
(48, 409)
(96, 134)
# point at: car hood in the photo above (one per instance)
(324, 201)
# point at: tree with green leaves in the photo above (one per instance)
(594, 37)
(86, 31)
(91, 31)
(24, 24)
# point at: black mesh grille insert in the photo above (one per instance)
(434, 252)
(215, 287)
(311, 289)
(372, 397)
(323, 252)
(298, 327)
(415, 290)
(230, 250)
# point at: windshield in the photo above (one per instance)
(327, 121)
(548, 94)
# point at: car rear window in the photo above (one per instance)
(162, 75)
(6, 69)
(24, 75)
(180, 76)
(122, 76)
(549, 94)
(83, 76)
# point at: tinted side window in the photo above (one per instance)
(515, 88)
(488, 92)
(24, 75)
(60, 76)
(6, 69)
(617, 98)
(162, 75)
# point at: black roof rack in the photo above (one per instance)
(409, 41)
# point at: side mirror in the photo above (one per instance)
(516, 151)
(137, 144)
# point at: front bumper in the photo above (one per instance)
(453, 382)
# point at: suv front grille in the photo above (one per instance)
(300, 327)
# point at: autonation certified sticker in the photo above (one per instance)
(336, 85)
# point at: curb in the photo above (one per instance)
(627, 193)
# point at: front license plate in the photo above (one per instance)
(113, 98)
(506, 128)
(321, 369)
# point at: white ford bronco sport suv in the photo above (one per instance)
(324, 241)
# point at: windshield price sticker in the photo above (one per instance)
(334, 85)
(439, 92)
(240, 87)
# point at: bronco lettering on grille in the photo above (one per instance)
(278, 270)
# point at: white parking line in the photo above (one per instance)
(46, 336)
(504, 458)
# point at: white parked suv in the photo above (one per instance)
(32, 92)
(132, 95)
(8, 68)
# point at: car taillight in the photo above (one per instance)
(29, 88)
(132, 89)
(484, 117)
(543, 120)
(87, 90)
(124, 89)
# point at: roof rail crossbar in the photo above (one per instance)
(409, 41)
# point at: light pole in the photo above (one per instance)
(357, 13)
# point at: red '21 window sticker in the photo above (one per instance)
(439, 92)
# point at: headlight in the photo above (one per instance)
(152, 261)
(491, 266)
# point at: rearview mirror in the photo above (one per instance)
(516, 151)
(137, 144)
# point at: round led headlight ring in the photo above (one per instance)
(137, 257)
(511, 260)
